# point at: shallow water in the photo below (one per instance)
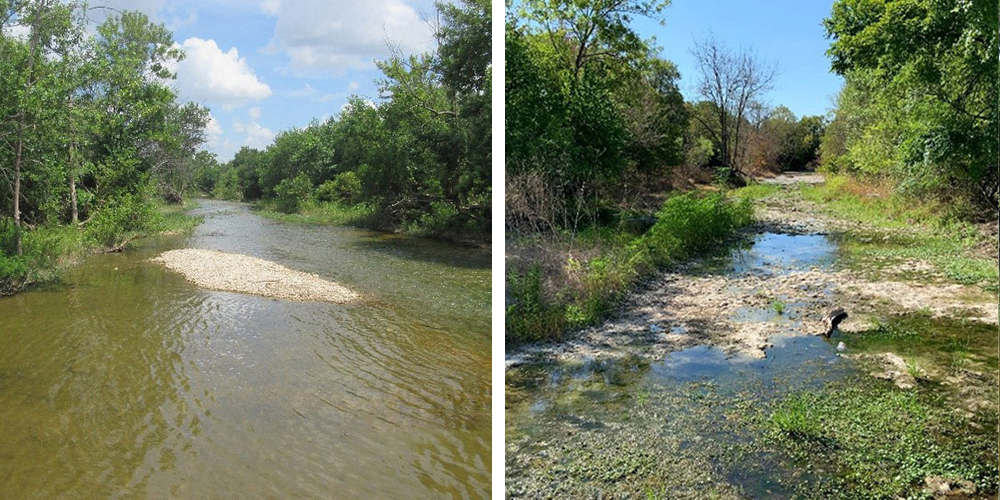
(690, 425)
(784, 253)
(127, 381)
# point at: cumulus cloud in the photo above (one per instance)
(254, 112)
(213, 128)
(210, 75)
(257, 136)
(270, 6)
(342, 34)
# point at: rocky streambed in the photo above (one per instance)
(690, 390)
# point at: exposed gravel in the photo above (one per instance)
(231, 272)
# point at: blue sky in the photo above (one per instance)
(264, 66)
(786, 32)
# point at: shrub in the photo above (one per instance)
(688, 225)
(121, 220)
(345, 188)
(529, 316)
(292, 192)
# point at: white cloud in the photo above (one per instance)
(178, 22)
(213, 128)
(17, 31)
(270, 6)
(254, 112)
(257, 136)
(208, 74)
(342, 34)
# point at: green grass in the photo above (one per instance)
(756, 191)
(586, 289)
(880, 442)
(321, 213)
(778, 306)
(908, 229)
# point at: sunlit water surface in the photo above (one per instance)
(125, 381)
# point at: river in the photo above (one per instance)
(126, 381)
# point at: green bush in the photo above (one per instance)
(529, 316)
(13, 273)
(121, 220)
(291, 193)
(689, 225)
(345, 188)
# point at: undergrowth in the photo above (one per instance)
(881, 442)
(603, 263)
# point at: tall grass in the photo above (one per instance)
(583, 291)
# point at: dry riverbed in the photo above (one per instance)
(230, 272)
(740, 312)
(681, 393)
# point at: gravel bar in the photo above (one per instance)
(232, 272)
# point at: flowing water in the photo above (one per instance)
(125, 381)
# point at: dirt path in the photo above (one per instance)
(741, 311)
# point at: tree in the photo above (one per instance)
(30, 83)
(582, 31)
(927, 73)
(734, 83)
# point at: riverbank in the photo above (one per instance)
(438, 227)
(49, 250)
(886, 261)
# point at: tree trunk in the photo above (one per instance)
(17, 187)
(72, 185)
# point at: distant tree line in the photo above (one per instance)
(90, 129)
(418, 158)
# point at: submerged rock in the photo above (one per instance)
(895, 369)
(941, 488)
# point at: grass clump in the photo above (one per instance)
(881, 442)
(778, 306)
(797, 419)
(926, 230)
(574, 280)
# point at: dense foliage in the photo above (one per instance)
(418, 160)
(919, 105)
(588, 108)
(90, 130)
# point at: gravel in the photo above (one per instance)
(231, 272)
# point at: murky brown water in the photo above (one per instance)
(128, 382)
